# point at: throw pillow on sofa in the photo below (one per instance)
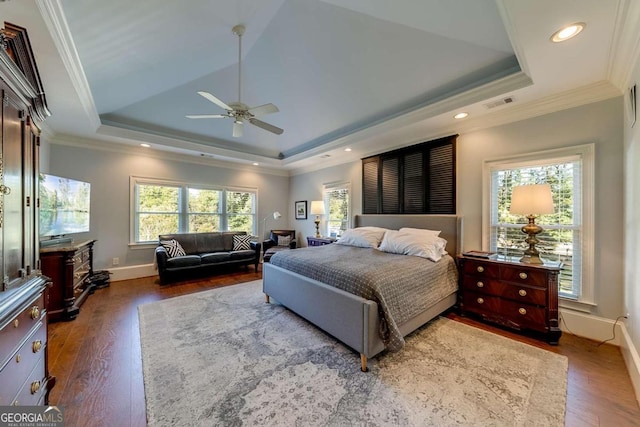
(173, 247)
(241, 242)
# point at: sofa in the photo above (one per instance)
(279, 240)
(185, 256)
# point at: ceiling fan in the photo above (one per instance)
(239, 112)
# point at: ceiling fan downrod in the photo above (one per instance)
(238, 30)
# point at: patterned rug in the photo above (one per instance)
(225, 357)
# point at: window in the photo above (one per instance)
(567, 232)
(336, 201)
(411, 180)
(161, 207)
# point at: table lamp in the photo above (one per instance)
(317, 209)
(532, 200)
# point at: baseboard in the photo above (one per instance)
(600, 329)
(632, 360)
(133, 272)
(589, 326)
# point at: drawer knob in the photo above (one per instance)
(480, 301)
(16, 323)
(523, 275)
(522, 311)
(35, 387)
(480, 269)
(522, 293)
(35, 312)
(18, 358)
(480, 285)
(37, 346)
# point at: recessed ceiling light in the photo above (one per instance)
(460, 115)
(347, 149)
(145, 145)
(255, 164)
(568, 32)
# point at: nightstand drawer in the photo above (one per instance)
(481, 268)
(524, 294)
(523, 275)
(518, 315)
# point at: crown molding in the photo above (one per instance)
(54, 19)
(444, 104)
(625, 48)
(122, 148)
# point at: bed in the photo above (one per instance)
(354, 320)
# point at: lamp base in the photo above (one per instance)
(317, 221)
(531, 255)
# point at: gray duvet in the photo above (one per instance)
(402, 285)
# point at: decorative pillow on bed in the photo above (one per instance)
(362, 237)
(173, 248)
(241, 242)
(424, 245)
(284, 240)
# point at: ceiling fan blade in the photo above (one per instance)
(215, 100)
(266, 126)
(263, 109)
(205, 116)
(237, 129)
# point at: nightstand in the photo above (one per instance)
(319, 241)
(513, 294)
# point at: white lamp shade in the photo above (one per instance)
(532, 200)
(317, 207)
(277, 215)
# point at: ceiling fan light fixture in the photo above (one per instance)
(567, 32)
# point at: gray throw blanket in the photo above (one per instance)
(402, 285)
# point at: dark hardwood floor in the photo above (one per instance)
(96, 359)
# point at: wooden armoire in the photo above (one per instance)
(24, 374)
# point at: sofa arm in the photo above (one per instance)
(161, 258)
(268, 244)
(256, 246)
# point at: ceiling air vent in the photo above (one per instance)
(499, 102)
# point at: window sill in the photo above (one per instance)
(583, 306)
(136, 246)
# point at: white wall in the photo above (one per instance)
(632, 230)
(599, 123)
(309, 187)
(109, 173)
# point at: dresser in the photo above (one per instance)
(513, 294)
(24, 374)
(319, 241)
(70, 267)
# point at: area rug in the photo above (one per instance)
(225, 357)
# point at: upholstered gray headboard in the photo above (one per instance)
(449, 225)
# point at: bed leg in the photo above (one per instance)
(363, 362)
(267, 298)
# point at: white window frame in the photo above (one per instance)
(586, 153)
(183, 218)
(326, 190)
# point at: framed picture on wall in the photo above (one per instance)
(301, 209)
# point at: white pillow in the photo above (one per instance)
(424, 245)
(362, 237)
(421, 231)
